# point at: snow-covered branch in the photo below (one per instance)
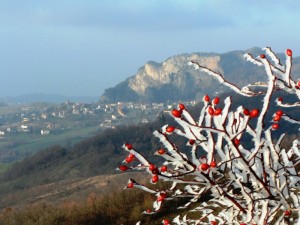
(249, 183)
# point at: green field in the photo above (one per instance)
(18, 146)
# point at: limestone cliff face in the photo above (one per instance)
(156, 75)
(174, 80)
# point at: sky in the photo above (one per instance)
(82, 47)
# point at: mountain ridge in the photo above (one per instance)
(174, 80)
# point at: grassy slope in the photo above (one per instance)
(32, 143)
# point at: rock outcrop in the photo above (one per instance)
(174, 80)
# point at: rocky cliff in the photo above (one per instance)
(174, 80)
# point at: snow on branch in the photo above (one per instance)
(253, 182)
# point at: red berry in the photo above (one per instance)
(236, 142)
(163, 194)
(254, 113)
(128, 146)
(151, 166)
(275, 126)
(161, 197)
(216, 100)
(204, 166)
(211, 111)
(213, 164)
(148, 211)
(287, 212)
(170, 129)
(166, 222)
(218, 111)
(246, 112)
(181, 106)
(206, 98)
(298, 83)
(277, 118)
(163, 168)
(280, 99)
(154, 178)
(176, 113)
(191, 141)
(129, 159)
(289, 52)
(131, 155)
(279, 112)
(213, 222)
(123, 168)
(262, 56)
(130, 185)
(243, 224)
(161, 151)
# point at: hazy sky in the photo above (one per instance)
(81, 47)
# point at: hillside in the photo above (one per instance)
(95, 156)
(178, 81)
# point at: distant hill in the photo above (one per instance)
(40, 97)
(174, 80)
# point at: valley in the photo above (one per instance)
(26, 129)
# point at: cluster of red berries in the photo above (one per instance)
(155, 172)
(177, 112)
(276, 119)
(252, 114)
(128, 159)
(211, 110)
(206, 166)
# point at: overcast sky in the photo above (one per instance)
(81, 47)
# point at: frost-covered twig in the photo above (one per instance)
(248, 183)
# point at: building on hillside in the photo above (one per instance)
(61, 114)
(44, 116)
(45, 132)
(24, 128)
(25, 120)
